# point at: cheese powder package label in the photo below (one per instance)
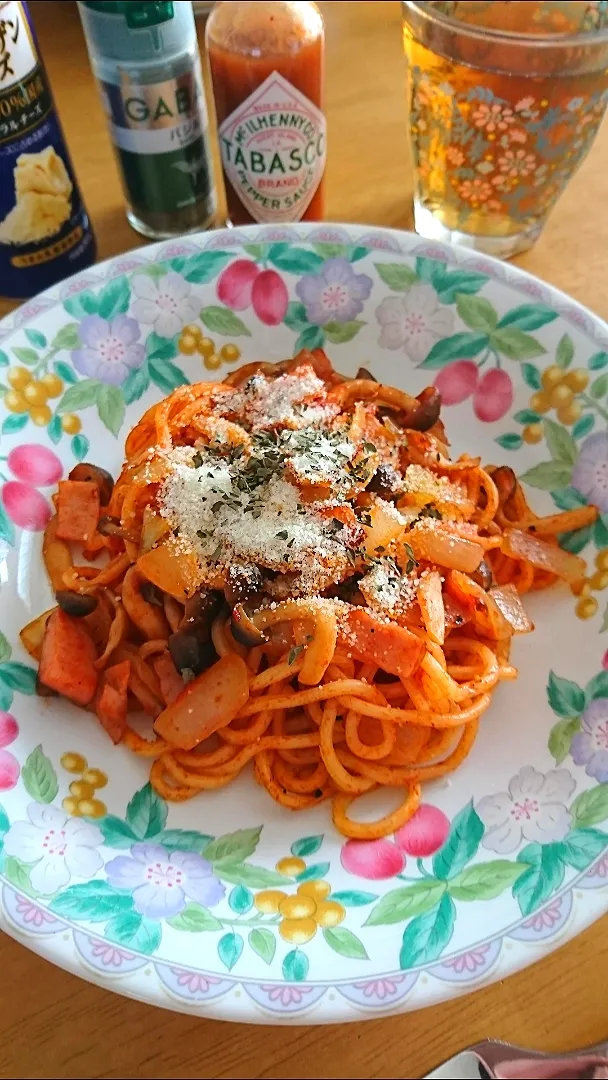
(44, 229)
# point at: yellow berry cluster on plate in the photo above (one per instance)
(192, 340)
(82, 800)
(28, 394)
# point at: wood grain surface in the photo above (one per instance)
(55, 1025)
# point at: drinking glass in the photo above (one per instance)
(505, 100)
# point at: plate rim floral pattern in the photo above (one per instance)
(570, 907)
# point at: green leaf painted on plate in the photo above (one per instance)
(345, 943)
(132, 929)
(575, 541)
(39, 777)
(295, 966)
(80, 447)
(531, 376)
(26, 355)
(461, 845)
(7, 529)
(5, 648)
(397, 276)
(166, 375)
(515, 344)
(581, 847)
(313, 337)
(65, 372)
(6, 697)
(68, 337)
(229, 949)
(509, 441)
(600, 532)
(35, 338)
(18, 874)
(353, 897)
(85, 303)
(339, 333)
(195, 919)
(257, 251)
(54, 429)
(161, 348)
(477, 312)
(314, 872)
(560, 738)
(306, 845)
(116, 832)
(294, 260)
(456, 347)
(568, 498)
(14, 423)
(203, 267)
(136, 384)
(114, 298)
(432, 270)
(526, 416)
(562, 446)
(295, 317)
(583, 426)
(565, 352)
(599, 387)
(240, 900)
(221, 320)
(406, 902)
(548, 475)
(597, 687)
(454, 283)
(598, 361)
(543, 877)
(4, 821)
(485, 881)
(79, 396)
(147, 813)
(110, 407)
(565, 697)
(94, 901)
(263, 943)
(590, 807)
(233, 847)
(4, 360)
(528, 316)
(183, 840)
(426, 936)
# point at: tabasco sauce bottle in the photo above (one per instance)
(267, 70)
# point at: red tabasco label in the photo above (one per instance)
(273, 150)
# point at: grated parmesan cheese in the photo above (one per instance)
(265, 403)
(385, 588)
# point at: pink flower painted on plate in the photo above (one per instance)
(32, 914)
(287, 994)
(372, 859)
(492, 117)
(424, 833)
(457, 381)
(380, 988)
(545, 919)
(195, 982)
(469, 961)
(25, 506)
(533, 809)
(493, 396)
(414, 322)
(599, 869)
(34, 464)
(110, 955)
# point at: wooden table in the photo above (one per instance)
(52, 1024)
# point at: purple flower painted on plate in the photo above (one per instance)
(110, 349)
(590, 475)
(335, 294)
(413, 322)
(590, 746)
(533, 809)
(162, 883)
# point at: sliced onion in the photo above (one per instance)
(520, 545)
(508, 602)
(244, 629)
(439, 546)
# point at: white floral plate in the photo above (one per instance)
(185, 906)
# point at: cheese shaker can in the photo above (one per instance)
(45, 234)
(146, 60)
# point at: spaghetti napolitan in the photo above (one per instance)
(296, 574)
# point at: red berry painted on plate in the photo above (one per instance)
(424, 833)
(235, 283)
(457, 381)
(25, 506)
(35, 465)
(270, 298)
(9, 729)
(494, 396)
(9, 771)
(372, 859)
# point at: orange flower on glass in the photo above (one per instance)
(492, 117)
(454, 155)
(515, 163)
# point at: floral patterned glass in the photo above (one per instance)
(504, 103)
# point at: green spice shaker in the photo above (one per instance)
(146, 59)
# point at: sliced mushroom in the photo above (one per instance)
(244, 629)
(427, 412)
(386, 482)
(151, 593)
(483, 575)
(363, 373)
(201, 609)
(189, 652)
(243, 583)
(506, 482)
(77, 604)
(104, 480)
